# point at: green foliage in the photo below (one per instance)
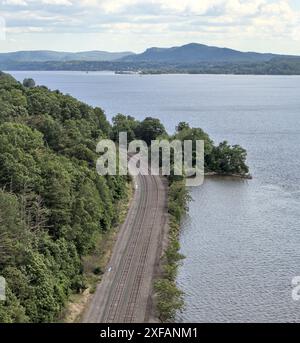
(122, 123)
(169, 299)
(11, 311)
(19, 147)
(184, 132)
(13, 103)
(150, 129)
(229, 160)
(30, 83)
(147, 130)
(178, 199)
(52, 202)
(222, 159)
(182, 126)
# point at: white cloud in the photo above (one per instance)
(15, 2)
(176, 20)
(57, 2)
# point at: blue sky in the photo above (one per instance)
(118, 25)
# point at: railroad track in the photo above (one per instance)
(134, 239)
(124, 291)
(129, 317)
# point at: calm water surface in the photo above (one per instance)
(241, 238)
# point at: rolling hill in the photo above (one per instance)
(195, 53)
(47, 55)
(191, 58)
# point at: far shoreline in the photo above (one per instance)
(135, 73)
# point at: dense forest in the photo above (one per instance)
(53, 204)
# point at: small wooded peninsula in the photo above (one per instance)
(53, 204)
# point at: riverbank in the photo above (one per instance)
(168, 298)
(233, 176)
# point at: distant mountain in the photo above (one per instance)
(190, 58)
(195, 53)
(47, 55)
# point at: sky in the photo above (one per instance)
(134, 25)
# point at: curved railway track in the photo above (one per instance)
(123, 295)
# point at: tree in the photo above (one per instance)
(18, 148)
(122, 123)
(194, 134)
(182, 126)
(150, 129)
(227, 159)
(29, 83)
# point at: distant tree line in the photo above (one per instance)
(276, 66)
